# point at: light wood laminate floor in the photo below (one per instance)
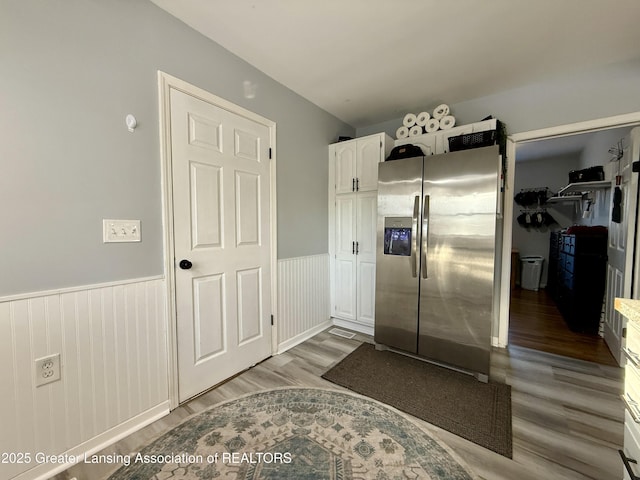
(567, 414)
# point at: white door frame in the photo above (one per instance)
(626, 120)
(165, 83)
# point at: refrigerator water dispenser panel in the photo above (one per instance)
(397, 236)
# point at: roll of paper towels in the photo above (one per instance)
(447, 122)
(441, 111)
(432, 125)
(422, 118)
(409, 120)
(415, 131)
(402, 132)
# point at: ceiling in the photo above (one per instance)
(570, 145)
(369, 61)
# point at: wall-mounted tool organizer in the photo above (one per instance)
(534, 213)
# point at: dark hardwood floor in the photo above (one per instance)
(536, 323)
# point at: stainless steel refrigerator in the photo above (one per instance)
(435, 257)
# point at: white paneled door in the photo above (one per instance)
(221, 195)
(621, 246)
(366, 225)
(355, 257)
(345, 260)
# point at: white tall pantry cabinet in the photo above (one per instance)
(353, 184)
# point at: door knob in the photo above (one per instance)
(185, 264)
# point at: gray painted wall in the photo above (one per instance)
(548, 172)
(596, 152)
(586, 95)
(70, 70)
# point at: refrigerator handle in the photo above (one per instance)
(414, 237)
(425, 236)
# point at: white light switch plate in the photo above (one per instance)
(120, 230)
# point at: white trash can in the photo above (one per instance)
(531, 272)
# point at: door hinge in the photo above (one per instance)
(271, 320)
(270, 153)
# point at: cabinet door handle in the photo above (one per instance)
(353, 248)
(633, 357)
(353, 184)
(357, 248)
(632, 407)
(357, 184)
(627, 464)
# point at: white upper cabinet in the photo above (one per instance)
(345, 167)
(370, 152)
(356, 163)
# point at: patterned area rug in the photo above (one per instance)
(296, 434)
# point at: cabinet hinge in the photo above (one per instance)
(272, 320)
(624, 332)
(270, 153)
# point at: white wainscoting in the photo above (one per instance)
(303, 299)
(112, 342)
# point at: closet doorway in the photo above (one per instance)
(538, 318)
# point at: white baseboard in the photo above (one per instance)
(292, 342)
(355, 326)
(96, 444)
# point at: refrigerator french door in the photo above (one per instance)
(435, 257)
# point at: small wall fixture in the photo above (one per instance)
(249, 89)
(131, 122)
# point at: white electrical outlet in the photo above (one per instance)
(47, 369)
(119, 231)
